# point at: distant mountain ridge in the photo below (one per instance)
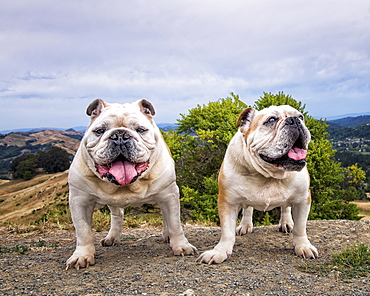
(162, 126)
(350, 121)
(38, 129)
(332, 118)
(339, 119)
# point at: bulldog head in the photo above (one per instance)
(120, 140)
(276, 139)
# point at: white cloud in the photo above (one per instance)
(180, 53)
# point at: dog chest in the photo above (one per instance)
(267, 197)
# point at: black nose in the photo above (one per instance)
(292, 121)
(120, 135)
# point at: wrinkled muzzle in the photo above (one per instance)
(121, 166)
(292, 145)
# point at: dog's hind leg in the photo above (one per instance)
(113, 237)
(246, 224)
(286, 223)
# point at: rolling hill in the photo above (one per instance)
(24, 202)
(350, 121)
(15, 144)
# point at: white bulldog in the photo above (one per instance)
(264, 167)
(122, 161)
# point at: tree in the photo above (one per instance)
(54, 159)
(198, 146)
(24, 167)
(353, 186)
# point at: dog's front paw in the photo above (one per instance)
(213, 256)
(80, 260)
(307, 251)
(244, 229)
(184, 249)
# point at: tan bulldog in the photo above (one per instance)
(264, 168)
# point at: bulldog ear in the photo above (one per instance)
(95, 108)
(147, 108)
(245, 118)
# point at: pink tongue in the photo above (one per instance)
(297, 154)
(124, 172)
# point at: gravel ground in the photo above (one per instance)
(263, 263)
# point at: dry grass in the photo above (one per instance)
(364, 207)
(23, 202)
(42, 203)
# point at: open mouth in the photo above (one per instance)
(121, 171)
(293, 160)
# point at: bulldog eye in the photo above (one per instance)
(301, 117)
(99, 131)
(272, 120)
(141, 130)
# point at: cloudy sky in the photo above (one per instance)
(58, 56)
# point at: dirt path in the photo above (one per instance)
(263, 263)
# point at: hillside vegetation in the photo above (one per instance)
(351, 139)
(25, 202)
(15, 144)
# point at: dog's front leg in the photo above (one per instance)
(222, 251)
(81, 211)
(302, 245)
(172, 229)
(116, 220)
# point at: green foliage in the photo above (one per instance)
(352, 262)
(53, 159)
(58, 214)
(266, 220)
(354, 183)
(21, 249)
(176, 141)
(202, 203)
(198, 147)
(280, 98)
(343, 133)
(213, 123)
(24, 167)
